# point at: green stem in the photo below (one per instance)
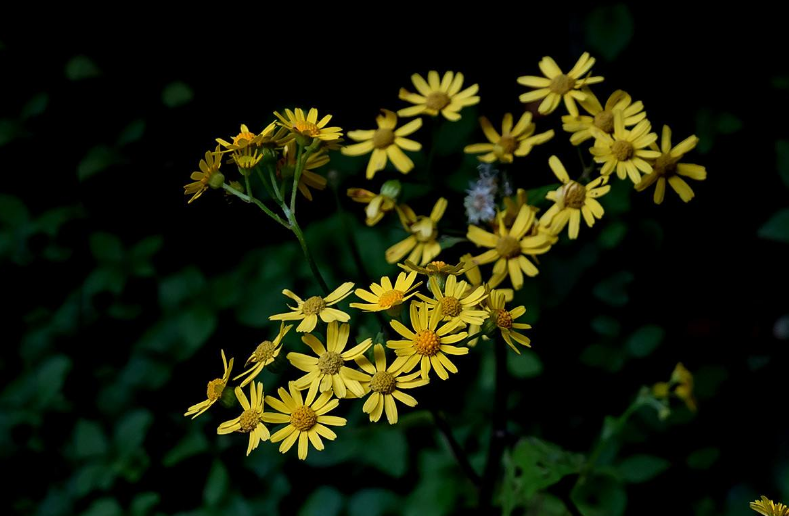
(265, 183)
(250, 199)
(297, 175)
(273, 178)
(294, 226)
(498, 431)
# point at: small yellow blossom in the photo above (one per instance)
(421, 244)
(504, 320)
(457, 302)
(556, 85)
(271, 136)
(626, 150)
(513, 141)
(249, 422)
(767, 507)
(316, 306)
(680, 384)
(668, 168)
(377, 205)
(215, 389)
(209, 176)
(308, 126)
(434, 268)
(602, 119)
(438, 95)
(385, 296)
(385, 142)
(264, 354)
(286, 168)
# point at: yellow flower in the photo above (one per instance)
(306, 419)
(245, 137)
(556, 85)
(215, 389)
(512, 205)
(434, 268)
(457, 302)
(308, 126)
(377, 205)
(626, 150)
(328, 371)
(249, 422)
(767, 507)
(209, 176)
(263, 355)
(316, 306)
(680, 384)
(385, 386)
(386, 141)
(513, 141)
(286, 167)
(504, 320)
(602, 119)
(385, 295)
(421, 244)
(668, 168)
(571, 200)
(509, 247)
(438, 96)
(427, 344)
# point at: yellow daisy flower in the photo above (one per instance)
(377, 205)
(504, 320)
(427, 345)
(215, 389)
(509, 248)
(434, 268)
(513, 141)
(270, 136)
(286, 167)
(421, 244)
(438, 96)
(680, 384)
(263, 355)
(602, 119)
(306, 419)
(209, 176)
(249, 422)
(316, 306)
(308, 126)
(385, 386)
(767, 507)
(572, 200)
(626, 150)
(668, 168)
(457, 302)
(557, 86)
(385, 142)
(328, 370)
(385, 296)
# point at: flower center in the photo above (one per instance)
(249, 420)
(622, 150)
(244, 135)
(306, 128)
(383, 382)
(427, 343)
(665, 165)
(561, 84)
(313, 305)
(508, 247)
(330, 363)
(437, 100)
(436, 265)
(574, 195)
(503, 318)
(507, 145)
(383, 138)
(215, 389)
(390, 298)
(451, 307)
(604, 120)
(264, 351)
(303, 418)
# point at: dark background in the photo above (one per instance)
(107, 341)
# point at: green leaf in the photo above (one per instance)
(130, 432)
(606, 325)
(106, 248)
(177, 94)
(600, 495)
(728, 123)
(104, 507)
(9, 130)
(525, 365)
(391, 447)
(91, 477)
(537, 195)
(613, 290)
(452, 136)
(81, 67)
(89, 439)
(143, 503)
(612, 234)
(104, 279)
(98, 159)
(192, 444)
(644, 340)
(178, 288)
(604, 357)
(609, 30)
(35, 106)
(782, 160)
(132, 132)
(50, 378)
(216, 485)
(196, 325)
(372, 502)
(641, 468)
(541, 465)
(13, 211)
(777, 228)
(324, 501)
(703, 458)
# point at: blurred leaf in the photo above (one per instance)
(448, 241)
(604, 357)
(641, 468)
(50, 378)
(525, 365)
(777, 228)
(177, 94)
(600, 495)
(130, 432)
(710, 124)
(56, 503)
(373, 502)
(707, 380)
(540, 464)
(89, 478)
(613, 290)
(35, 106)
(612, 234)
(644, 340)
(106, 247)
(703, 458)
(180, 287)
(537, 195)
(439, 488)
(324, 501)
(143, 503)
(104, 279)
(452, 136)
(132, 132)
(609, 30)
(606, 325)
(617, 200)
(98, 159)
(781, 82)
(104, 507)
(9, 130)
(13, 211)
(216, 485)
(89, 439)
(81, 67)
(52, 220)
(192, 444)
(143, 372)
(197, 325)
(728, 123)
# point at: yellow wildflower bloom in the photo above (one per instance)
(385, 386)
(308, 126)
(512, 205)
(668, 168)
(572, 200)
(680, 384)
(557, 86)
(504, 320)
(385, 142)
(209, 176)
(427, 345)
(215, 389)
(328, 370)
(421, 244)
(457, 302)
(264, 354)
(385, 296)
(602, 119)
(306, 419)
(316, 306)
(270, 136)
(434, 268)
(767, 507)
(513, 141)
(626, 150)
(438, 96)
(377, 205)
(286, 167)
(249, 422)
(509, 247)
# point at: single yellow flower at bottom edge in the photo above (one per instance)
(457, 302)
(668, 168)
(767, 507)
(263, 355)
(385, 143)
(328, 371)
(421, 244)
(504, 320)
(306, 419)
(385, 296)
(215, 389)
(249, 422)
(308, 311)
(384, 385)
(427, 345)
